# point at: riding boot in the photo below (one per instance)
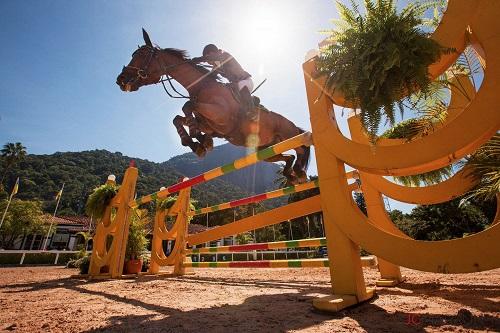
(248, 104)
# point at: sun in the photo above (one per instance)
(262, 33)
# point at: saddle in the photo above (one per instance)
(236, 94)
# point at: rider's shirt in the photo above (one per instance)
(227, 66)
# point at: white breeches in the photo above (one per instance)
(246, 83)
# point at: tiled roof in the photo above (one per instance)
(82, 221)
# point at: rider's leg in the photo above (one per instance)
(246, 87)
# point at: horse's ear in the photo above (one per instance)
(146, 38)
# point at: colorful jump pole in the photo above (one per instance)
(312, 242)
(257, 198)
(297, 263)
(304, 139)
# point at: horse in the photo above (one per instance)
(213, 109)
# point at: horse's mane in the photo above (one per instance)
(183, 54)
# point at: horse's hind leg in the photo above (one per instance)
(186, 140)
(287, 170)
(301, 163)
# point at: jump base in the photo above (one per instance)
(335, 303)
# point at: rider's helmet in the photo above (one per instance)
(210, 48)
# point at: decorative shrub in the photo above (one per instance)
(100, 199)
(137, 242)
(168, 202)
(39, 259)
(10, 258)
(378, 58)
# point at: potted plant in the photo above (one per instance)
(137, 241)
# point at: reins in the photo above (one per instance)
(169, 80)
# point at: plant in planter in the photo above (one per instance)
(378, 58)
(137, 242)
(100, 199)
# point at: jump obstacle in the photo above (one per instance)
(471, 123)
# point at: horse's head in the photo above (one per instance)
(143, 69)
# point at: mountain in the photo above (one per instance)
(257, 178)
(41, 176)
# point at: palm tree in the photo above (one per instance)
(11, 154)
(485, 168)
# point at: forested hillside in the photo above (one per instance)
(41, 177)
(256, 178)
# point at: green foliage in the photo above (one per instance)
(485, 168)
(137, 242)
(359, 198)
(39, 259)
(441, 222)
(22, 218)
(100, 199)
(11, 153)
(82, 263)
(377, 58)
(10, 258)
(65, 258)
(244, 238)
(168, 202)
(434, 113)
(41, 177)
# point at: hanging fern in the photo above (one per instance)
(168, 202)
(379, 57)
(100, 199)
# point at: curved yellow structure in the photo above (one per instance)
(467, 129)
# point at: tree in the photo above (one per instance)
(11, 154)
(244, 238)
(485, 168)
(23, 218)
(443, 221)
(359, 198)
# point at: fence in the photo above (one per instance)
(35, 257)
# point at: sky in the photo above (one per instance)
(60, 60)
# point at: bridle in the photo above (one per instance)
(142, 73)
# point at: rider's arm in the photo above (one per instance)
(215, 57)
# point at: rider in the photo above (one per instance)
(224, 64)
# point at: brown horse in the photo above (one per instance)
(212, 109)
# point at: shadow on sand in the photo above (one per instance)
(287, 311)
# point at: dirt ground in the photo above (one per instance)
(46, 299)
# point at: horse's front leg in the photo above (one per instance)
(197, 148)
(194, 126)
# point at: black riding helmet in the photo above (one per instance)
(210, 48)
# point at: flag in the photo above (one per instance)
(59, 194)
(16, 188)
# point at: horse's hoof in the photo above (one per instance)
(208, 143)
(292, 180)
(200, 151)
(301, 177)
